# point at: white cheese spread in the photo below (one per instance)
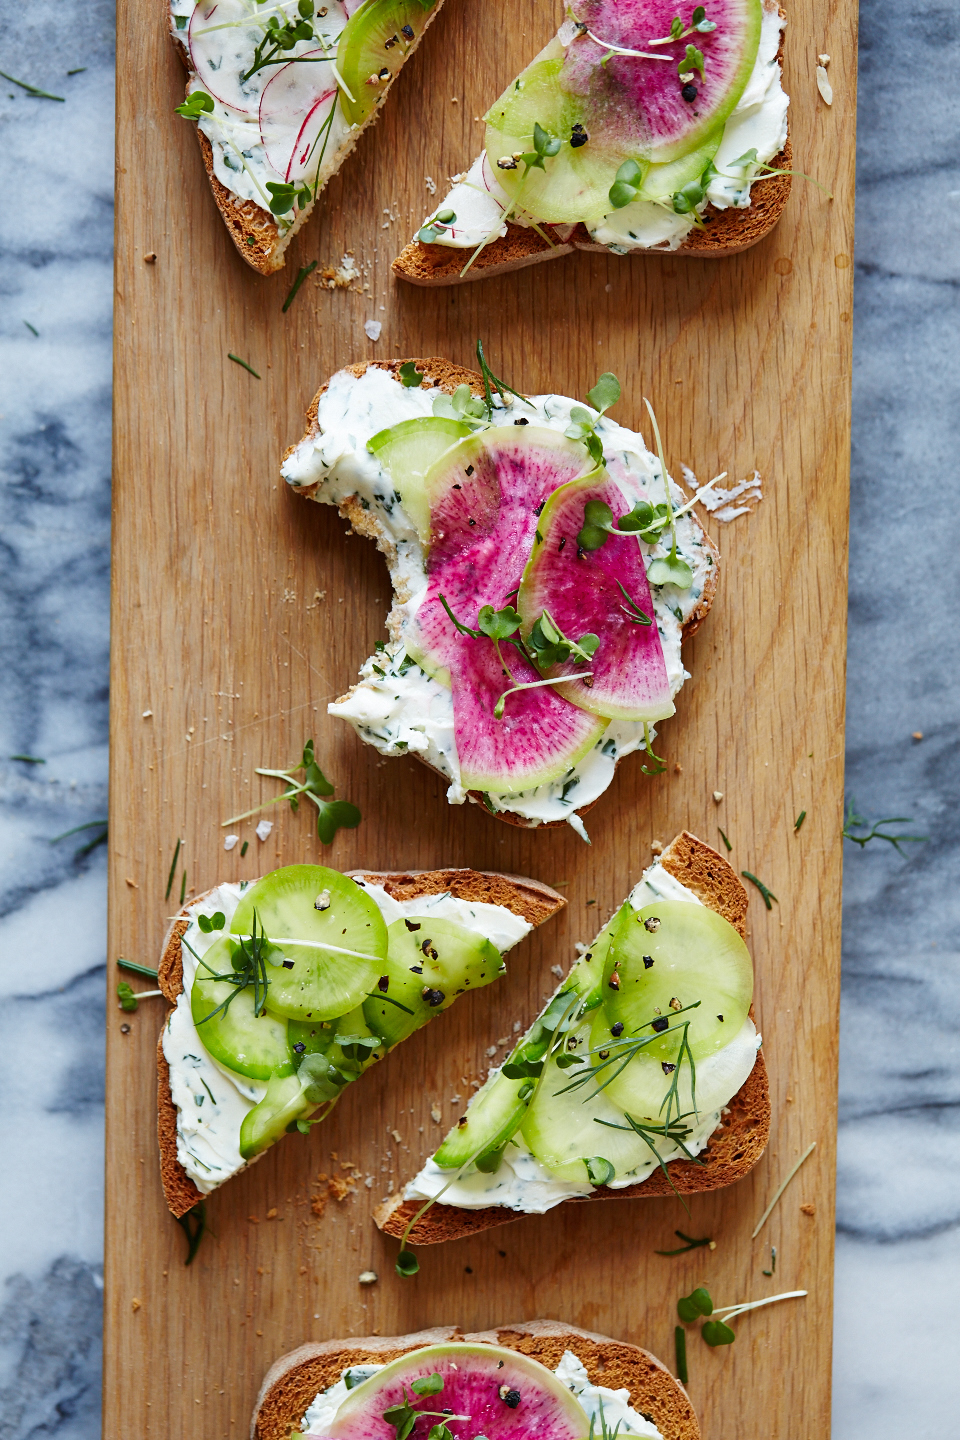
(398, 708)
(595, 1399)
(522, 1183)
(212, 1101)
(758, 122)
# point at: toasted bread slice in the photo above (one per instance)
(446, 377)
(256, 233)
(529, 898)
(293, 1381)
(733, 1149)
(722, 233)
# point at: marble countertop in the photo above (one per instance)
(898, 1216)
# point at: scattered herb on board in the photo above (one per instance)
(237, 361)
(332, 815)
(800, 819)
(680, 1345)
(302, 274)
(137, 969)
(780, 1189)
(173, 870)
(129, 998)
(689, 1244)
(773, 1261)
(853, 821)
(767, 895)
(31, 89)
(714, 1330)
(244, 848)
(725, 840)
(100, 839)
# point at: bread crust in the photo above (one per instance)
(253, 230)
(293, 1381)
(531, 899)
(732, 1150)
(446, 377)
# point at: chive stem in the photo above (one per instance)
(173, 870)
(237, 361)
(725, 840)
(680, 1342)
(769, 1210)
(800, 819)
(767, 895)
(137, 969)
(31, 89)
(302, 274)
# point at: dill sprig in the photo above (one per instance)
(249, 968)
(690, 1244)
(766, 894)
(852, 821)
(31, 89)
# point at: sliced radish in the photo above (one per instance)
(293, 108)
(221, 56)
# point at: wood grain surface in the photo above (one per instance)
(239, 611)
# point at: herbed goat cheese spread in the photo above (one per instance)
(521, 1182)
(396, 706)
(212, 1101)
(758, 122)
(614, 1405)
(241, 155)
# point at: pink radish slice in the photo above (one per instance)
(293, 107)
(485, 495)
(220, 57)
(581, 590)
(505, 1395)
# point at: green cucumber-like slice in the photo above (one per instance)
(328, 940)
(283, 1104)
(406, 451)
(564, 1131)
(662, 181)
(254, 1045)
(586, 974)
(316, 1036)
(669, 955)
(494, 1114)
(429, 963)
(372, 47)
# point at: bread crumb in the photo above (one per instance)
(132, 883)
(718, 796)
(808, 1209)
(150, 258)
(557, 970)
(491, 1051)
(824, 86)
(397, 1136)
(136, 1304)
(431, 184)
(789, 1099)
(146, 715)
(436, 1115)
(917, 735)
(656, 847)
(340, 277)
(368, 1277)
(254, 1219)
(678, 768)
(712, 1245)
(824, 59)
(272, 1213)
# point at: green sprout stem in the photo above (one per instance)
(780, 1189)
(535, 685)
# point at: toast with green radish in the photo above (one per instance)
(641, 1076)
(286, 990)
(280, 95)
(538, 1378)
(545, 571)
(642, 126)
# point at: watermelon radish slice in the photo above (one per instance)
(485, 495)
(295, 105)
(587, 591)
(628, 106)
(497, 1393)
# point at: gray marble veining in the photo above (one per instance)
(898, 1244)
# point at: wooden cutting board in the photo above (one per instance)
(239, 611)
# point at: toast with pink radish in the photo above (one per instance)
(644, 125)
(538, 1378)
(545, 573)
(280, 91)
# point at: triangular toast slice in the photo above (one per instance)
(731, 211)
(491, 906)
(731, 1151)
(295, 1380)
(280, 96)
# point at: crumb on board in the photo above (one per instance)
(824, 86)
(340, 277)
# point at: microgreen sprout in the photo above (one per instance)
(749, 157)
(194, 1225)
(403, 1417)
(689, 1244)
(583, 426)
(852, 821)
(410, 377)
(332, 815)
(767, 896)
(432, 228)
(302, 274)
(716, 1331)
(249, 968)
(699, 24)
(196, 104)
(32, 89)
(279, 40)
(209, 923)
(658, 766)
(780, 1189)
(691, 1307)
(129, 998)
(692, 60)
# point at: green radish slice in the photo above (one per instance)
(630, 107)
(585, 591)
(328, 940)
(283, 1104)
(565, 1131)
(407, 451)
(485, 495)
(494, 1114)
(505, 1394)
(429, 963)
(373, 46)
(672, 954)
(254, 1045)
